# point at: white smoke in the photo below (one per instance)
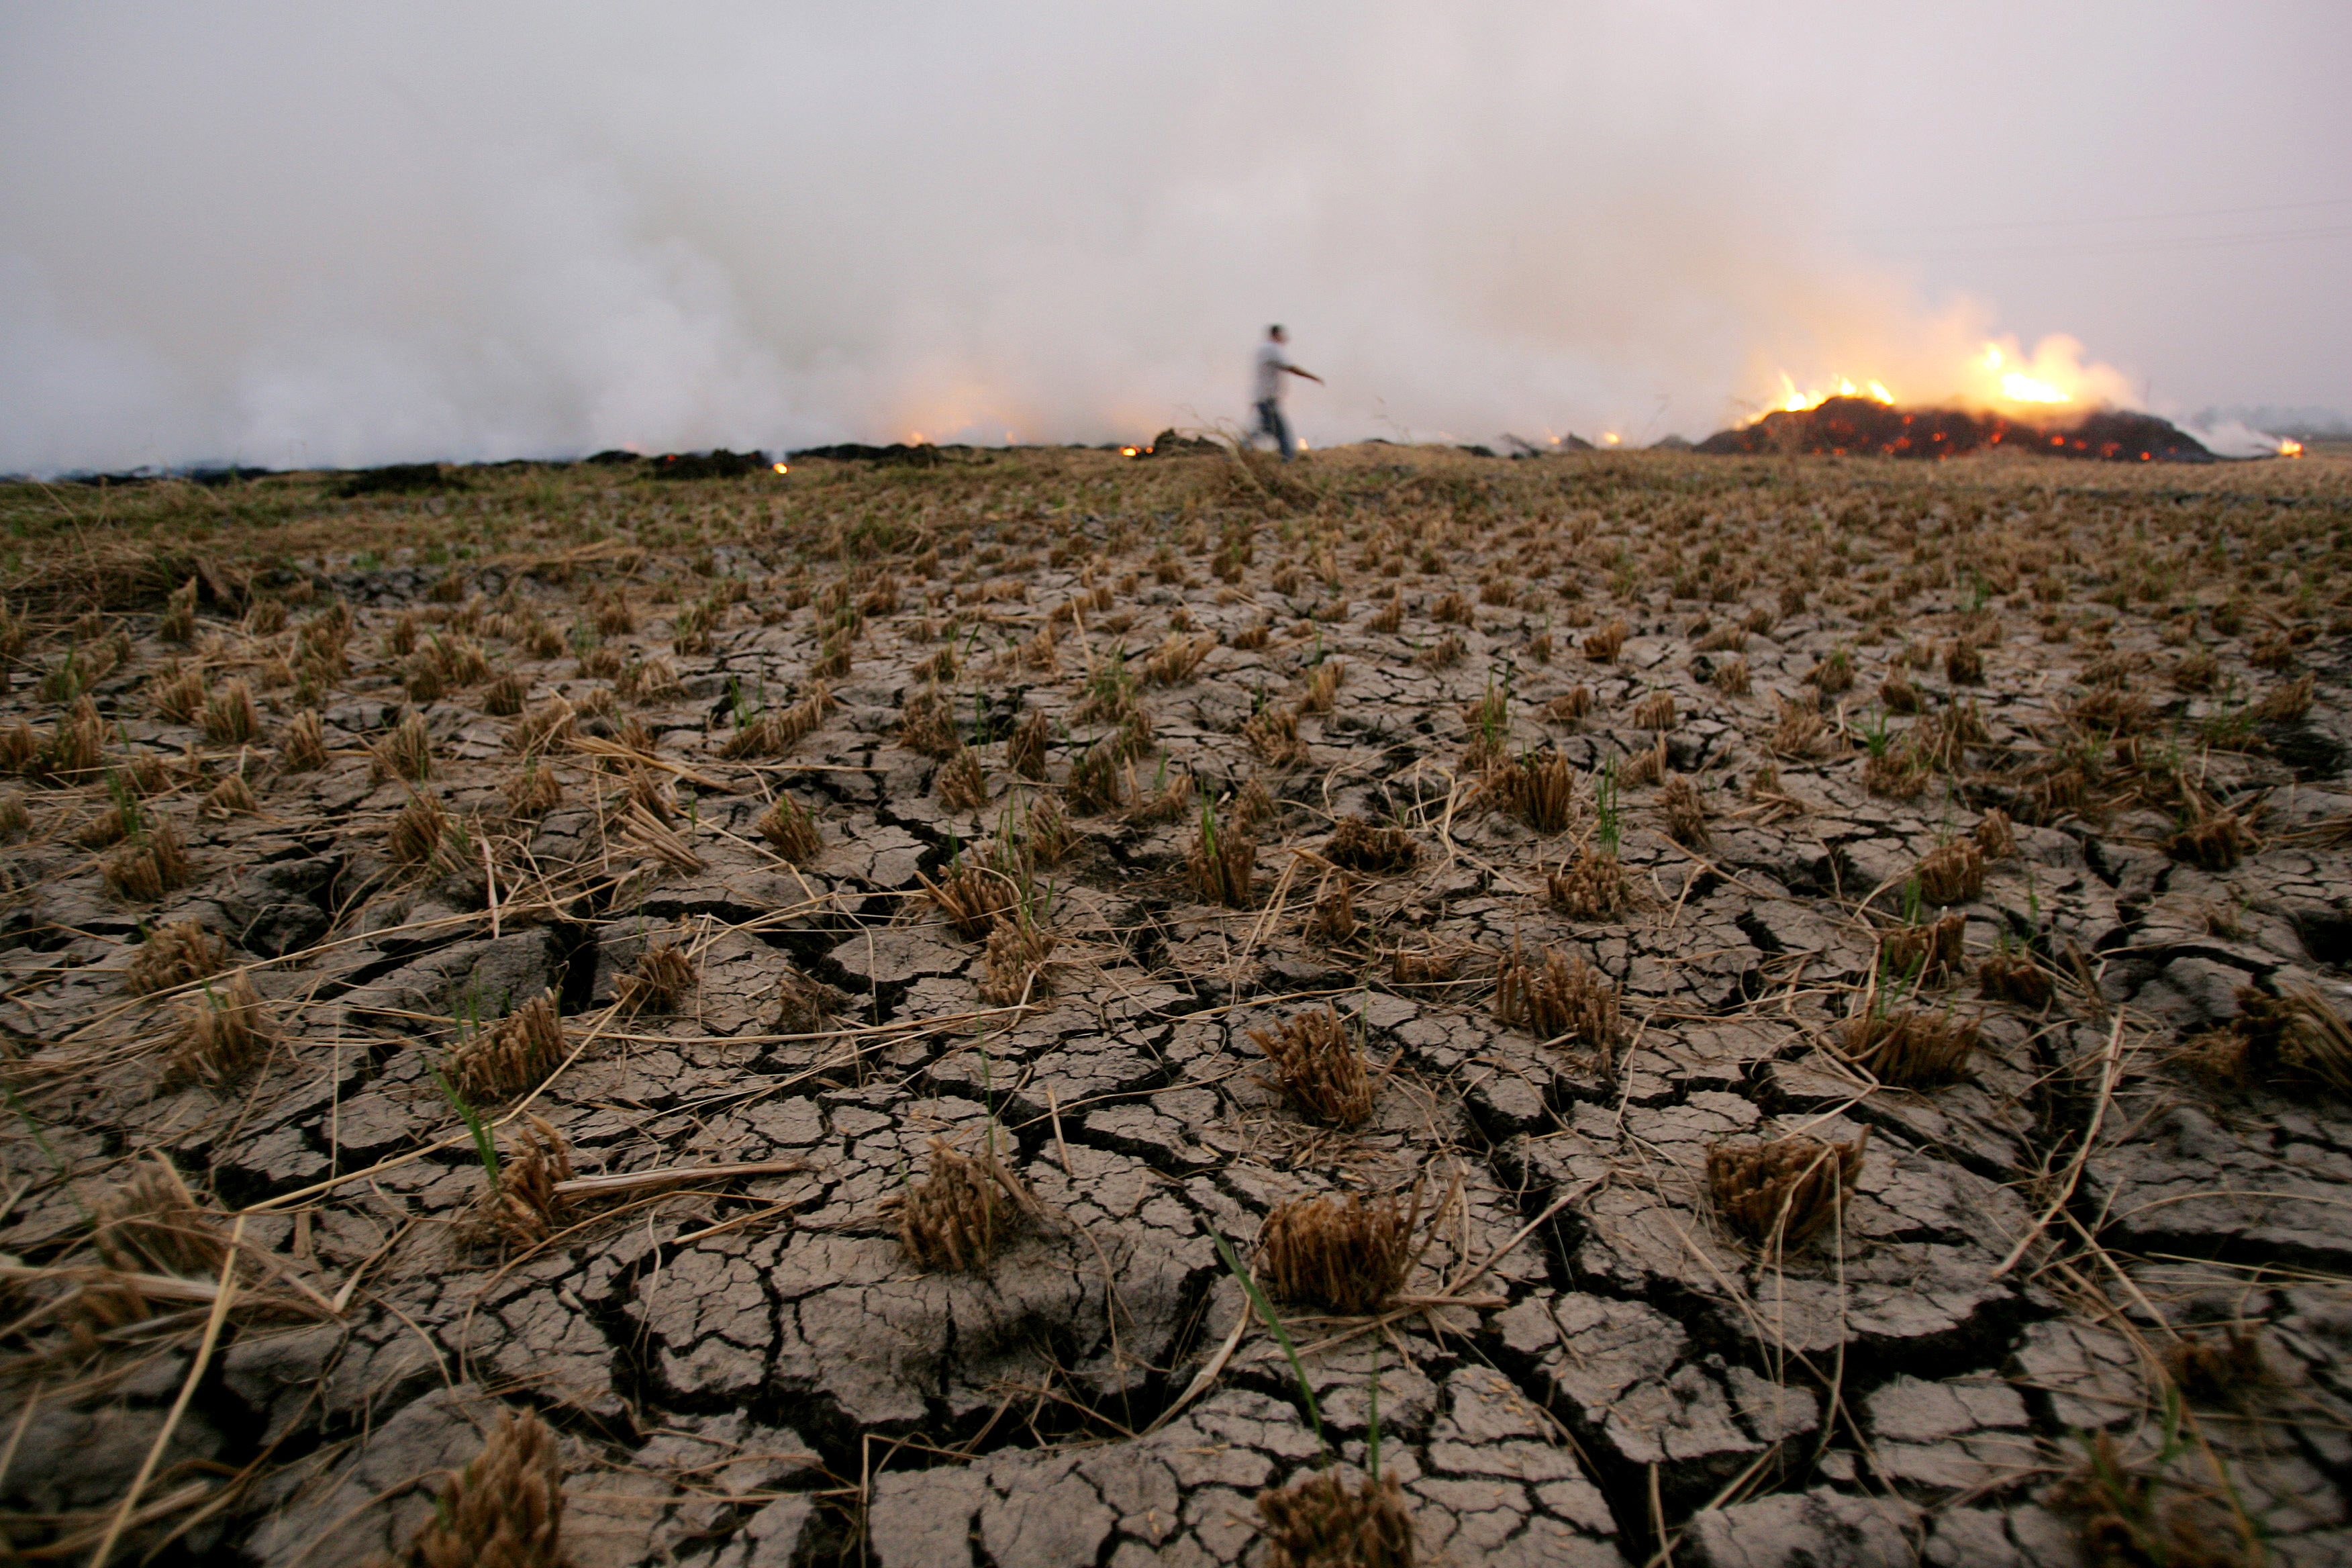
(302, 235)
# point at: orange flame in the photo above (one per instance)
(2290, 447)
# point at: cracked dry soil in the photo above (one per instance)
(1005, 802)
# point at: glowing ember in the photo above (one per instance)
(782, 469)
(2290, 447)
(1130, 452)
(1795, 402)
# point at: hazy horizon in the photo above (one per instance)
(292, 238)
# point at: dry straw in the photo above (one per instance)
(150, 1222)
(222, 1035)
(960, 1213)
(1557, 998)
(1910, 1051)
(511, 1056)
(1358, 846)
(519, 1204)
(173, 955)
(1320, 1521)
(1343, 1252)
(1779, 1194)
(1319, 1068)
(787, 827)
(505, 1510)
(1017, 956)
(657, 981)
(1539, 790)
(1591, 887)
(1953, 874)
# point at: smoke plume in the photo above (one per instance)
(305, 234)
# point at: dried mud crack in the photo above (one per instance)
(751, 1021)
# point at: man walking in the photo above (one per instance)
(1273, 364)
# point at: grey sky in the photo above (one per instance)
(303, 234)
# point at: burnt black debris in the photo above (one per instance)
(1844, 426)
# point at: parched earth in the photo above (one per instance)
(1078, 738)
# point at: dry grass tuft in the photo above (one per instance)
(407, 751)
(2291, 1039)
(1323, 687)
(1591, 887)
(1953, 874)
(503, 697)
(805, 1007)
(231, 797)
(302, 743)
(1554, 998)
(16, 818)
(532, 791)
(1223, 860)
(1996, 835)
(2009, 975)
(959, 1216)
(1570, 707)
(1358, 846)
(76, 749)
(175, 955)
(1910, 1051)
(1317, 1523)
(657, 981)
(1045, 831)
(926, 725)
(790, 831)
(961, 783)
(150, 866)
(418, 831)
(511, 1056)
(1731, 678)
(1686, 812)
(1779, 1194)
(1964, 663)
(1333, 919)
(1342, 1253)
(150, 1224)
(2213, 843)
(1272, 735)
(1319, 1068)
(520, 1209)
(222, 1035)
(1928, 952)
(1539, 789)
(505, 1510)
(1655, 712)
(2137, 1517)
(972, 896)
(1025, 750)
(1603, 646)
(1799, 733)
(1177, 659)
(178, 694)
(543, 725)
(1017, 958)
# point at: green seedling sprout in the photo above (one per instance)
(1282, 1335)
(1604, 797)
(484, 1144)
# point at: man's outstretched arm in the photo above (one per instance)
(1307, 373)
